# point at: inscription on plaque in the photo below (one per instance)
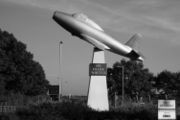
(97, 69)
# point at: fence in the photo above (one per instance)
(7, 109)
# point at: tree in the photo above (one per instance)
(19, 73)
(137, 79)
(168, 82)
(178, 85)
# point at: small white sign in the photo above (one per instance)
(166, 104)
(166, 114)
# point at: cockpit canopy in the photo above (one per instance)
(83, 18)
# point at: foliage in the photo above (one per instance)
(178, 85)
(9, 116)
(168, 82)
(48, 111)
(137, 79)
(22, 100)
(19, 73)
(77, 111)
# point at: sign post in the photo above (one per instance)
(166, 110)
(53, 91)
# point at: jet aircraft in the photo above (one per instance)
(81, 26)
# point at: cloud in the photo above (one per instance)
(153, 18)
(164, 23)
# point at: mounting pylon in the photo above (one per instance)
(97, 93)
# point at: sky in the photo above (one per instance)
(30, 21)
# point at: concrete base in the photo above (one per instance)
(97, 94)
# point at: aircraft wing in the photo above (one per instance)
(94, 42)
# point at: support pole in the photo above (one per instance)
(97, 92)
(60, 70)
(122, 85)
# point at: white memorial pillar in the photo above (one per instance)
(97, 92)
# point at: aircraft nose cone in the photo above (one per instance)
(57, 15)
(60, 15)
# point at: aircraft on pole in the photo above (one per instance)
(81, 26)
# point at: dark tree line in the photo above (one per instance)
(139, 82)
(19, 73)
(168, 83)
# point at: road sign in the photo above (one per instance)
(166, 115)
(54, 90)
(166, 109)
(166, 104)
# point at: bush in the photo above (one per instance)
(138, 111)
(4, 117)
(49, 111)
(77, 111)
(8, 116)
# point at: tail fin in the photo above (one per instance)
(134, 54)
(132, 41)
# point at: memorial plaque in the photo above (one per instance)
(97, 69)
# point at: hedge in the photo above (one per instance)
(78, 111)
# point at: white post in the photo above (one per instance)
(97, 93)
